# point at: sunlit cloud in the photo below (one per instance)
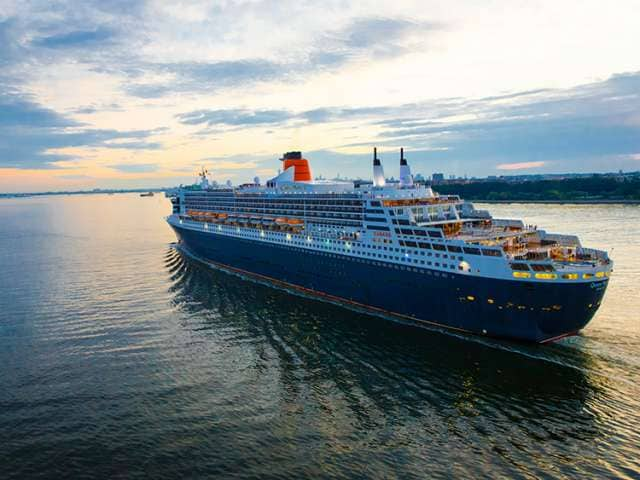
(520, 166)
(136, 167)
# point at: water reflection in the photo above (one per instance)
(357, 372)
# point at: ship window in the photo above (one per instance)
(411, 244)
(435, 234)
(437, 246)
(453, 248)
(491, 253)
(407, 231)
(375, 203)
(471, 250)
(377, 227)
(520, 267)
(540, 267)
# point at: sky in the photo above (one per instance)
(122, 94)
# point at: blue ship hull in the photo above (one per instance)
(526, 311)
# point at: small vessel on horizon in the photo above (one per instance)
(147, 194)
(398, 249)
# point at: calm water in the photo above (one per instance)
(121, 358)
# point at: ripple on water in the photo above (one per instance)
(124, 358)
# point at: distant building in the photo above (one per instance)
(437, 178)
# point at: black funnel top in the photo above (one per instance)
(376, 160)
(403, 161)
(292, 156)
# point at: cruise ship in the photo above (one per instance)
(395, 249)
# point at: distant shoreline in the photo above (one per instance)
(568, 202)
(86, 192)
(476, 200)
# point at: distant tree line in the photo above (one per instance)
(586, 188)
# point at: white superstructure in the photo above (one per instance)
(400, 225)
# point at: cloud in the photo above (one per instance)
(330, 114)
(520, 166)
(235, 117)
(136, 145)
(75, 39)
(241, 117)
(536, 128)
(199, 76)
(93, 34)
(76, 177)
(30, 132)
(9, 47)
(18, 111)
(96, 108)
(122, 39)
(234, 162)
(363, 38)
(379, 37)
(573, 125)
(136, 167)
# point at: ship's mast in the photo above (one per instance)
(204, 181)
